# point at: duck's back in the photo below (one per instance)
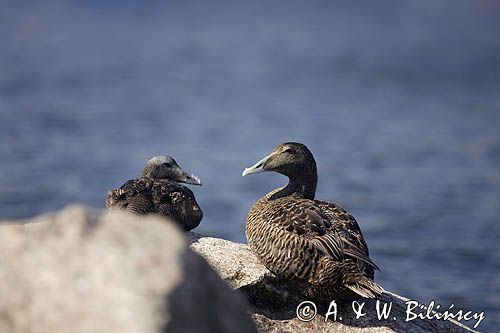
(168, 198)
(134, 196)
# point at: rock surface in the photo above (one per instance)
(274, 306)
(81, 271)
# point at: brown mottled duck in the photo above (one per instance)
(315, 243)
(158, 190)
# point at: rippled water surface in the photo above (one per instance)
(399, 102)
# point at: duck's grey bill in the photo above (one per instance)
(257, 167)
(192, 179)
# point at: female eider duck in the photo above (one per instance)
(157, 190)
(315, 243)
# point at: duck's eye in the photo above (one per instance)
(168, 165)
(288, 150)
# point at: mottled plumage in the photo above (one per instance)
(158, 191)
(313, 242)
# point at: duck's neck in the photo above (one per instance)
(303, 186)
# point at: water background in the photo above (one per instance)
(398, 100)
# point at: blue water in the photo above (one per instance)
(399, 102)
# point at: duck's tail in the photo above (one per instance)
(358, 279)
(365, 287)
(339, 279)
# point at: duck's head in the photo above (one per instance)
(291, 159)
(165, 167)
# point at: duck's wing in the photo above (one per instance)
(178, 201)
(168, 192)
(348, 230)
(133, 195)
(326, 228)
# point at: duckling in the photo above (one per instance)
(158, 190)
(315, 243)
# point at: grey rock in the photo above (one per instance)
(273, 304)
(82, 271)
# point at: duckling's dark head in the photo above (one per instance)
(291, 159)
(165, 167)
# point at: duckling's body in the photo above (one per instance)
(313, 242)
(159, 192)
